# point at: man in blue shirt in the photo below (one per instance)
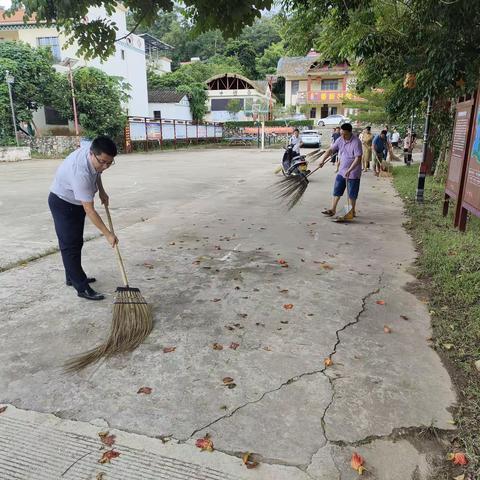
(76, 181)
(379, 145)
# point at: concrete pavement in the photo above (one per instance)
(202, 236)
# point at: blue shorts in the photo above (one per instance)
(341, 184)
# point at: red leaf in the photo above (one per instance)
(234, 345)
(107, 456)
(107, 439)
(357, 462)
(458, 458)
(281, 261)
(169, 349)
(380, 302)
(288, 306)
(205, 444)
(145, 390)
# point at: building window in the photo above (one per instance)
(313, 112)
(330, 84)
(295, 85)
(157, 114)
(52, 43)
(123, 54)
(52, 117)
(333, 110)
(221, 104)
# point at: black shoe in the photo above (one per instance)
(89, 280)
(90, 294)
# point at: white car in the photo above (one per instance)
(334, 120)
(311, 138)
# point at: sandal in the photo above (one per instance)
(329, 212)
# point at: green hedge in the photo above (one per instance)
(272, 123)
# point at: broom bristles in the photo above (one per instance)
(132, 322)
(291, 189)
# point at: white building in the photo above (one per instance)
(156, 53)
(128, 61)
(224, 88)
(168, 105)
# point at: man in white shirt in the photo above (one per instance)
(296, 141)
(76, 182)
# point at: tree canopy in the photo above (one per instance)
(98, 37)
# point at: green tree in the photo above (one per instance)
(267, 63)
(245, 52)
(34, 83)
(98, 37)
(197, 96)
(262, 33)
(99, 99)
(234, 106)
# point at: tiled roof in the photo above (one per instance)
(15, 19)
(164, 96)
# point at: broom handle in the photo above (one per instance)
(119, 257)
(320, 166)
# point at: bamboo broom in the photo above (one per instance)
(132, 321)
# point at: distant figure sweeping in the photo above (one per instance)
(71, 199)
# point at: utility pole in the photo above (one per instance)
(10, 79)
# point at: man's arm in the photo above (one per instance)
(101, 192)
(98, 222)
(355, 163)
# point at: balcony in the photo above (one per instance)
(323, 96)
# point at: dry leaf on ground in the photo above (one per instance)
(234, 345)
(217, 346)
(285, 290)
(288, 306)
(100, 476)
(460, 477)
(227, 380)
(268, 349)
(205, 444)
(328, 362)
(387, 329)
(169, 349)
(247, 461)
(109, 455)
(458, 458)
(145, 390)
(326, 266)
(380, 302)
(281, 261)
(215, 300)
(404, 317)
(148, 265)
(107, 439)
(2, 409)
(357, 462)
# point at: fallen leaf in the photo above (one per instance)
(285, 290)
(387, 329)
(216, 300)
(448, 346)
(281, 261)
(268, 349)
(217, 346)
(288, 306)
(172, 243)
(458, 458)
(231, 385)
(148, 265)
(460, 477)
(284, 321)
(357, 462)
(2, 409)
(109, 455)
(145, 390)
(100, 476)
(169, 349)
(227, 380)
(328, 362)
(165, 438)
(380, 302)
(224, 407)
(404, 317)
(234, 345)
(229, 327)
(243, 315)
(107, 439)
(218, 247)
(248, 462)
(326, 266)
(477, 366)
(205, 444)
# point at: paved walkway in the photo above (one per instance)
(202, 236)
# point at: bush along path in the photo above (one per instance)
(448, 272)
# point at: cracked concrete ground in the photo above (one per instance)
(202, 235)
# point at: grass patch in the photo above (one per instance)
(448, 267)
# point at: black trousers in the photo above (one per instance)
(69, 222)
